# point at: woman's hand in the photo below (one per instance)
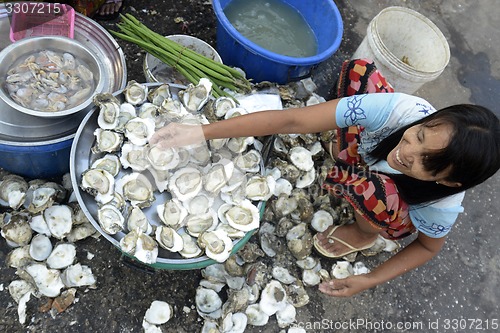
(177, 135)
(346, 287)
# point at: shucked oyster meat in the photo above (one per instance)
(137, 189)
(185, 183)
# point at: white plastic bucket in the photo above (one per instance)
(408, 49)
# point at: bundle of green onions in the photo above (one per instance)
(189, 63)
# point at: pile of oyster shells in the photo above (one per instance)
(188, 201)
(270, 275)
(41, 221)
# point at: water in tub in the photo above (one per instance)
(274, 25)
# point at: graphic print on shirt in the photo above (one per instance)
(354, 111)
(432, 228)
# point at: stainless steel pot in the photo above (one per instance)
(40, 147)
(17, 128)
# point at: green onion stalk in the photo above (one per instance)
(189, 63)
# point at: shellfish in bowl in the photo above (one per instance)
(50, 76)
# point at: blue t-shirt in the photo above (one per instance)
(381, 115)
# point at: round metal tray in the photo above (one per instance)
(81, 158)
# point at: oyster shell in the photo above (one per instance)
(107, 141)
(148, 110)
(321, 220)
(136, 188)
(17, 232)
(239, 145)
(249, 161)
(127, 112)
(135, 93)
(235, 112)
(284, 205)
(159, 313)
(301, 158)
(200, 204)
(208, 303)
(13, 190)
(40, 247)
(222, 105)
(78, 275)
(110, 219)
(134, 157)
(48, 281)
(129, 241)
(306, 178)
(63, 255)
(109, 110)
(286, 316)
(161, 178)
(146, 249)
(136, 219)
(199, 154)
(341, 270)
(41, 198)
(195, 97)
(256, 316)
(234, 322)
(260, 188)
(99, 183)
(19, 257)
(198, 224)
(360, 268)
(217, 244)
(191, 248)
(283, 275)
(109, 162)
(244, 216)
(185, 183)
(169, 239)
(173, 109)
(273, 298)
(172, 213)
(163, 159)
(217, 176)
(159, 94)
(19, 288)
(59, 219)
(139, 130)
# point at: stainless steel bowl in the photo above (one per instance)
(23, 48)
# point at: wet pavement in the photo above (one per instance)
(455, 292)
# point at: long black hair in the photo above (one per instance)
(472, 155)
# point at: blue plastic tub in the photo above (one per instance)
(260, 64)
(37, 160)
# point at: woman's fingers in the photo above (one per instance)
(177, 135)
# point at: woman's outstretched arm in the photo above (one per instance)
(311, 119)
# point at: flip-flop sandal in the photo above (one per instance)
(328, 147)
(109, 17)
(331, 240)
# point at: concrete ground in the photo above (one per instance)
(455, 292)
